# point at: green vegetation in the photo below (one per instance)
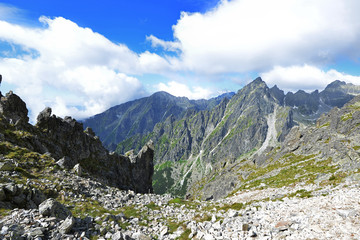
(234, 206)
(302, 193)
(185, 235)
(30, 164)
(162, 180)
(152, 206)
(162, 166)
(346, 117)
(177, 201)
(288, 170)
(356, 148)
(327, 124)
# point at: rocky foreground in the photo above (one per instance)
(86, 209)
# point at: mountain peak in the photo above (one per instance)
(335, 84)
(258, 80)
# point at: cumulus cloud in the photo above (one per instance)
(85, 72)
(182, 90)
(254, 35)
(305, 77)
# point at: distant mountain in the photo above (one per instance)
(256, 119)
(308, 107)
(140, 116)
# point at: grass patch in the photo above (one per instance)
(325, 125)
(4, 212)
(185, 235)
(356, 148)
(24, 172)
(177, 201)
(346, 117)
(153, 206)
(234, 206)
(302, 193)
(202, 218)
(289, 170)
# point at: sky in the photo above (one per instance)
(83, 57)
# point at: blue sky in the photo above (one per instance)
(82, 57)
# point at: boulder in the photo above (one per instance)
(67, 225)
(44, 114)
(66, 162)
(78, 169)
(50, 207)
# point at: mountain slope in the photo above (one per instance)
(327, 153)
(188, 149)
(140, 116)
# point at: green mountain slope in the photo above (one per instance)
(140, 116)
(325, 154)
(188, 149)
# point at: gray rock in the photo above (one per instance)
(51, 207)
(67, 225)
(66, 162)
(232, 213)
(140, 236)
(163, 231)
(78, 170)
(44, 114)
(14, 109)
(117, 236)
(2, 194)
(39, 231)
(10, 189)
(37, 196)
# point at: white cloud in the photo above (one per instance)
(167, 45)
(182, 90)
(254, 35)
(305, 77)
(84, 71)
(8, 12)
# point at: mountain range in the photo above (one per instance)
(195, 139)
(140, 116)
(253, 169)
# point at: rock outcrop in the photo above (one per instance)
(13, 109)
(65, 141)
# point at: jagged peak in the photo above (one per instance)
(258, 81)
(336, 83)
(276, 87)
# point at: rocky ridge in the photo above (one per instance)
(64, 141)
(139, 117)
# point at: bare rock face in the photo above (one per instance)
(143, 168)
(66, 141)
(13, 109)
